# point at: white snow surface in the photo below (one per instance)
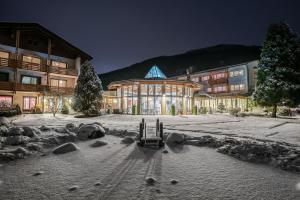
(121, 169)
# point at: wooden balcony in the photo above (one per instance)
(60, 90)
(30, 87)
(212, 81)
(63, 71)
(7, 86)
(4, 62)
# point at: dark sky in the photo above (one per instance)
(118, 33)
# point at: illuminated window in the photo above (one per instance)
(5, 102)
(237, 87)
(31, 59)
(179, 90)
(135, 90)
(218, 76)
(30, 80)
(173, 90)
(209, 89)
(158, 90)
(236, 73)
(29, 102)
(195, 79)
(4, 54)
(143, 89)
(58, 64)
(205, 78)
(168, 89)
(58, 83)
(119, 92)
(220, 88)
(151, 89)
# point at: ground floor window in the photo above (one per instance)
(29, 103)
(151, 105)
(5, 102)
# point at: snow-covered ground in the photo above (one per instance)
(202, 173)
(284, 130)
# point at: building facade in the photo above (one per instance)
(228, 86)
(36, 67)
(153, 95)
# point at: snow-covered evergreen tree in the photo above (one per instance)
(88, 91)
(276, 68)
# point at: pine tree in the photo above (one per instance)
(276, 67)
(88, 91)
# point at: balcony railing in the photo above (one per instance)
(212, 81)
(60, 90)
(4, 62)
(45, 89)
(7, 85)
(64, 71)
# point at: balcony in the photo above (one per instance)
(218, 81)
(60, 90)
(7, 86)
(63, 71)
(30, 87)
(4, 62)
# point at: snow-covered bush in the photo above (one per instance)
(65, 109)
(203, 110)
(221, 108)
(234, 111)
(284, 111)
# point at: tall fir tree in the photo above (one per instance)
(88, 91)
(277, 68)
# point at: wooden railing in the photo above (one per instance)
(212, 81)
(4, 62)
(7, 85)
(60, 90)
(45, 89)
(64, 71)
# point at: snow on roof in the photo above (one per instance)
(155, 72)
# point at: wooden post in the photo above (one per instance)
(49, 59)
(17, 57)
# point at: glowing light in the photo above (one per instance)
(155, 72)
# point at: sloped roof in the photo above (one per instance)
(155, 73)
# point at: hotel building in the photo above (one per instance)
(36, 65)
(231, 86)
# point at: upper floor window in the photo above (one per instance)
(58, 64)
(158, 90)
(30, 80)
(209, 89)
(179, 90)
(119, 92)
(237, 87)
(31, 59)
(236, 73)
(4, 54)
(58, 83)
(220, 88)
(168, 89)
(218, 76)
(195, 79)
(135, 90)
(182, 78)
(151, 89)
(143, 89)
(205, 78)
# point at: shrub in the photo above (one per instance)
(134, 110)
(203, 110)
(116, 111)
(221, 107)
(210, 111)
(173, 110)
(4, 105)
(65, 109)
(234, 111)
(18, 109)
(284, 111)
(195, 110)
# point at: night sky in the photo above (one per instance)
(118, 33)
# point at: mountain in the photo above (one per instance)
(200, 59)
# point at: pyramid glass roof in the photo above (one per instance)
(155, 73)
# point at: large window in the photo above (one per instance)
(195, 79)
(204, 78)
(143, 89)
(135, 90)
(5, 102)
(179, 90)
(158, 90)
(236, 73)
(220, 88)
(218, 76)
(237, 87)
(168, 89)
(31, 59)
(58, 64)
(30, 80)
(4, 54)
(58, 83)
(151, 89)
(29, 103)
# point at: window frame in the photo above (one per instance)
(39, 79)
(59, 62)
(31, 56)
(30, 97)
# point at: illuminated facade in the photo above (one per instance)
(230, 86)
(153, 95)
(36, 67)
